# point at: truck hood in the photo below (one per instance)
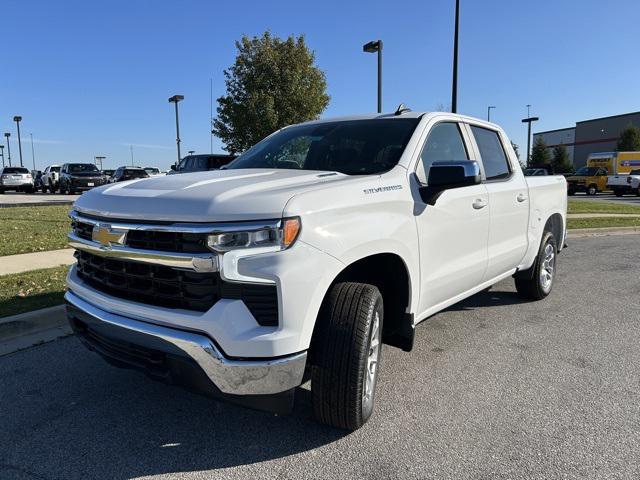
(213, 196)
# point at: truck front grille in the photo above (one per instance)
(153, 240)
(171, 288)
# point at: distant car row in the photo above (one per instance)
(78, 177)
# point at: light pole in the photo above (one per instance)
(2, 154)
(100, 159)
(529, 120)
(17, 119)
(175, 99)
(33, 155)
(7, 134)
(454, 83)
(489, 112)
(191, 152)
(373, 47)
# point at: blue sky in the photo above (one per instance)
(93, 78)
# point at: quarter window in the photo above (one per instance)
(495, 162)
(444, 144)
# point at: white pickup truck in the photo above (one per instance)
(306, 254)
(625, 183)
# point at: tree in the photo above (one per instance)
(539, 153)
(273, 83)
(560, 160)
(629, 139)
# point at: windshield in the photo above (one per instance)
(54, 169)
(634, 172)
(587, 171)
(135, 174)
(82, 167)
(352, 147)
(15, 170)
(152, 170)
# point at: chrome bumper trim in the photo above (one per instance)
(235, 377)
(198, 262)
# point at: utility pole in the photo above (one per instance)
(131, 149)
(529, 120)
(454, 86)
(100, 159)
(2, 154)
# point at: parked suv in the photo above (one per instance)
(201, 163)
(123, 174)
(51, 178)
(309, 251)
(18, 179)
(77, 177)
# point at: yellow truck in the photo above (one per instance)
(598, 175)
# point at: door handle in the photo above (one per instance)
(521, 197)
(479, 203)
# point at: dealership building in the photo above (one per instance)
(589, 136)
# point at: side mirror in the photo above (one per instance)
(447, 175)
(173, 167)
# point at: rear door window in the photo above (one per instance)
(494, 159)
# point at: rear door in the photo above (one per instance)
(508, 201)
(453, 232)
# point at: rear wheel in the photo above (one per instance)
(346, 355)
(592, 190)
(537, 282)
(618, 192)
(571, 192)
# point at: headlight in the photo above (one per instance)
(281, 236)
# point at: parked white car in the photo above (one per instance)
(18, 179)
(306, 253)
(625, 183)
(51, 179)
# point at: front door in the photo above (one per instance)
(453, 232)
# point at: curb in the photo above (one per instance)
(601, 232)
(25, 330)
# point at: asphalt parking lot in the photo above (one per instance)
(495, 388)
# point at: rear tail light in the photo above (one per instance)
(28, 175)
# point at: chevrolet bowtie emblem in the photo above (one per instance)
(106, 236)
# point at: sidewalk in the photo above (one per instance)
(603, 215)
(26, 262)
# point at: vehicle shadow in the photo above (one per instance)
(98, 421)
(487, 298)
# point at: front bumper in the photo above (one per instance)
(235, 377)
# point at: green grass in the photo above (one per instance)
(587, 206)
(602, 222)
(33, 229)
(24, 292)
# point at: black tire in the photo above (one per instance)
(592, 190)
(44, 188)
(1, 191)
(618, 192)
(571, 192)
(529, 283)
(638, 191)
(340, 355)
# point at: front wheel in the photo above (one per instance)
(618, 192)
(592, 190)
(346, 355)
(536, 283)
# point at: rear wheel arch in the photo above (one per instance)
(555, 225)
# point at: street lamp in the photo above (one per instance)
(191, 152)
(175, 99)
(100, 159)
(529, 120)
(373, 47)
(454, 83)
(7, 134)
(18, 119)
(33, 154)
(489, 113)
(2, 154)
